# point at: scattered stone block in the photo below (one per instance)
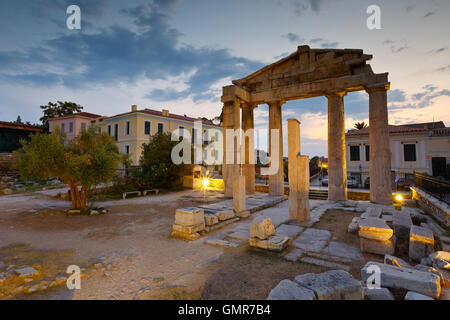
(273, 243)
(354, 225)
(411, 295)
(377, 294)
(387, 217)
(374, 229)
(381, 247)
(211, 219)
(26, 272)
(288, 230)
(444, 275)
(262, 229)
(332, 285)
(289, 290)
(225, 215)
(441, 259)
(402, 224)
(189, 216)
(188, 230)
(371, 212)
(394, 261)
(421, 243)
(403, 278)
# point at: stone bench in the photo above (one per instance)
(126, 194)
(145, 192)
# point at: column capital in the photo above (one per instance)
(275, 101)
(338, 92)
(378, 87)
(248, 105)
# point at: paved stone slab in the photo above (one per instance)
(411, 295)
(332, 285)
(314, 234)
(221, 243)
(294, 255)
(404, 278)
(343, 250)
(377, 294)
(289, 290)
(371, 212)
(421, 243)
(374, 229)
(288, 230)
(311, 245)
(329, 257)
(324, 263)
(377, 246)
(211, 219)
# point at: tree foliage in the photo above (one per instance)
(60, 109)
(84, 162)
(360, 125)
(157, 168)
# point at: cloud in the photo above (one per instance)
(396, 47)
(396, 96)
(419, 100)
(293, 37)
(410, 8)
(429, 14)
(300, 6)
(119, 54)
(444, 69)
(324, 43)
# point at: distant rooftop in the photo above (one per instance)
(79, 114)
(437, 128)
(20, 126)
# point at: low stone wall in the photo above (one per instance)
(6, 161)
(439, 209)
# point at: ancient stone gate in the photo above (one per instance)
(304, 74)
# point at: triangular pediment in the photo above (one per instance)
(307, 65)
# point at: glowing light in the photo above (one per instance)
(205, 182)
(398, 197)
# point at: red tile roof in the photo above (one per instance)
(79, 114)
(171, 116)
(402, 129)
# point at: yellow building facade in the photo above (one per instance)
(132, 129)
(422, 147)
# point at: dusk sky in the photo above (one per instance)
(177, 55)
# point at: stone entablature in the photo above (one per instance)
(309, 73)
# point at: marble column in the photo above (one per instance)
(231, 158)
(337, 165)
(276, 181)
(380, 155)
(248, 168)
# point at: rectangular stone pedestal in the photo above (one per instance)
(188, 223)
(421, 243)
(239, 194)
(299, 189)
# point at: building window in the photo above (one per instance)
(161, 128)
(181, 131)
(354, 153)
(127, 128)
(409, 151)
(116, 132)
(194, 136)
(109, 130)
(367, 153)
(70, 127)
(83, 126)
(205, 137)
(63, 127)
(147, 128)
(127, 149)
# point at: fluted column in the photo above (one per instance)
(337, 165)
(248, 168)
(276, 181)
(380, 155)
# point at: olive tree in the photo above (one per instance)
(84, 162)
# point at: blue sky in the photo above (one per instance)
(177, 55)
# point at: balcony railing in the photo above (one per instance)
(438, 188)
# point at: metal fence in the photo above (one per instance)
(439, 188)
